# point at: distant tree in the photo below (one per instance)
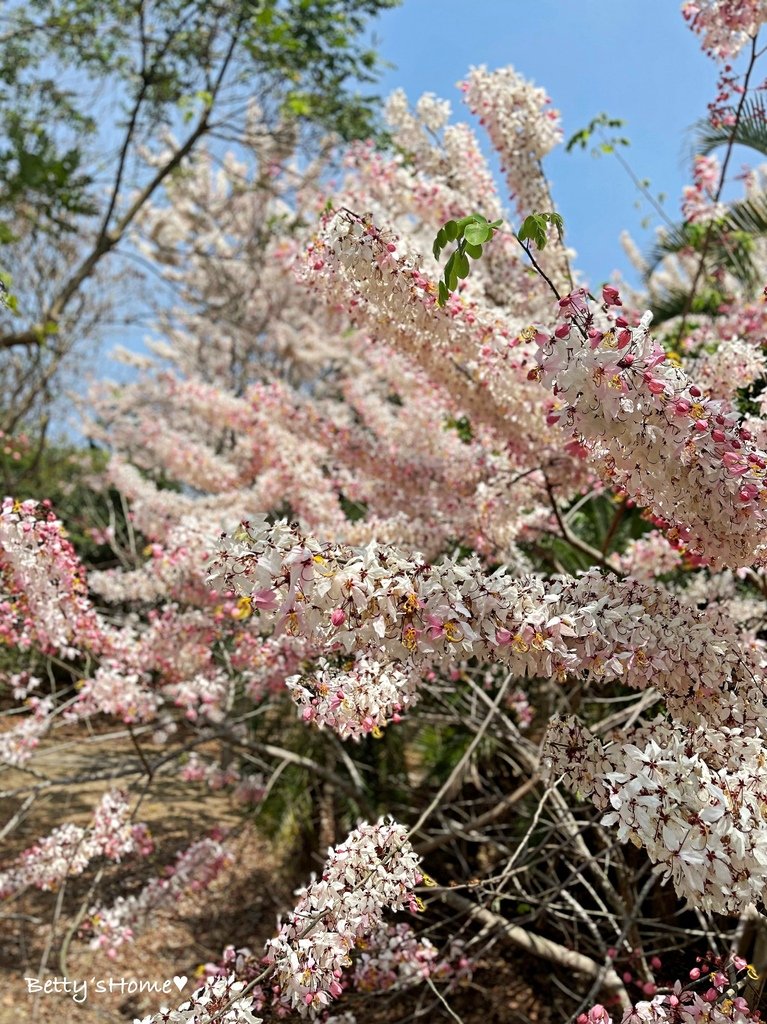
(101, 101)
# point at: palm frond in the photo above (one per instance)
(673, 240)
(750, 131)
(749, 215)
(673, 303)
(731, 245)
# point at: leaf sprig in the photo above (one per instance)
(534, 228)
(608, 144)
(470, 233)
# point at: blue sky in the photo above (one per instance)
(634, 59)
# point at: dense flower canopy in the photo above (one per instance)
(533, 514)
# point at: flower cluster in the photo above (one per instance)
(467, 350)
(194, 870)
(725, 25)
(706, 998)
(69, 848)
(18, 743)
(43, 597)
(358, 698)
(394, 606)
(220, 1000)
(396, 958)
(694, 797)
(248, 789)
(373, 869)
(698, 203)
(733, 365)
(650, 555)
(654, 432)
(523, 127)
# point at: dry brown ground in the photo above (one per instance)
(240, 907)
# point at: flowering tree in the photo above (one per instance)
(499, 571)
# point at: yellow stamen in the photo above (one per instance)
(452, 632)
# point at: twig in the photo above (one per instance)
(544, 948)
(456, 772)
(730, 146)
(576, 542)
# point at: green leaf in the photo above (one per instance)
(555, 219)
(449, 270)
(476, 234)
(451, 273)
(533, 229)
(462, 265)
(443, 294)
(451, 230)
(475, 251)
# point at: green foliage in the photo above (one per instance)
(7, 299)
(608, 144)
(674, 303)
(353, 510)
(729, 244)
(729, 241)
(462, 427)
(594, 522)
(535, 225)
(470, 233)
(159, 64)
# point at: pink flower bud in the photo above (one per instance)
(338, 616)
(734, 463)
(611, 296)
